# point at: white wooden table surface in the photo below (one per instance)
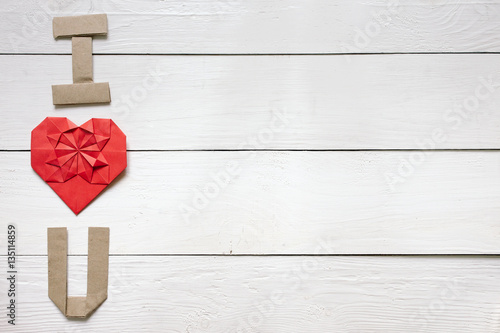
(294, 166)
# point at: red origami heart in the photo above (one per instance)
(78, 162)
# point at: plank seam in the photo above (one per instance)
(290, 150)
(254, 54)
(485, 255)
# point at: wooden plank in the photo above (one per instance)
(272, 203)
(272, 294)
(261, 26)
(276, 102)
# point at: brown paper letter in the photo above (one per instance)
(83, 90)
(97, 272)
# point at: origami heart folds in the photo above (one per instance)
(78, 162)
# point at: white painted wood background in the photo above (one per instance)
(294, 166)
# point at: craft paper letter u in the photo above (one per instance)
(97, 272)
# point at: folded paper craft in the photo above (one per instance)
(83, 90)
(82, 25)
(78, 162)
(97, 272)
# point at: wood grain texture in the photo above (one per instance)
(272, 294)
(271, 203)
(261, 26)
(228, 102)
(268, 75)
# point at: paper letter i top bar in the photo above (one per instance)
(83, 90)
